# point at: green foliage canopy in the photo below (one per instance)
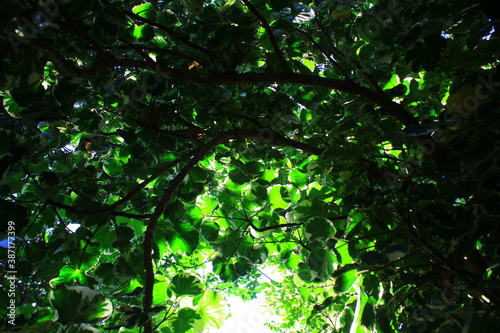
(353, 145)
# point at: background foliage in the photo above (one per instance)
(154, 154)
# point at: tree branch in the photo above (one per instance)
(273, 227)
(274, 138)
(393, 108)
(160, 208)
(371, 81)
(161, 50)
(270, 35)
(174, 184)
(110, 208)
(325, 54)
(444, 160)
(172, 33)
(145, 182)
(67, 68)
(103, 210)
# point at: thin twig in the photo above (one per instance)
(325, 54)
(172, 33)
(270, 35)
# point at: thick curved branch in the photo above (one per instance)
(274, 139)
(393, 108)
(160, 208)
(67, 68)
(442, 157)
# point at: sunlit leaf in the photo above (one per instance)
(212, 309)
(69, 276)
(394, 81)
(206, 204)
(276, 199)
(184, 284)
(144, 10)
(79, 304)
(304, 292)
(345, 281)
(185, 320)
(183, 238)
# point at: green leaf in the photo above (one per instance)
(70, 276)
(304, 272)
(134, 319)
(342, 253)
(212, 310)
(105, 30)
(355, 217)
(239, 177)
(183, 238)
(47, 327)
(327, 302)
(194, 6)
(450, 326)
(364, 145)
(79, 304)
(368, 317)
(298, 178)
(115, 16)
(36, 252)
(206, 204)
(383, 320)
(393, 81)
(185, 320)
(269, 175)
(348, 318)
(304, 292)
(81, 329)
(143, 33)
(345, 281)
(276, 199)
(161, 288)
(293, 261)
(321, 262)
(319, 229)
(199, 175)
(145, 10)
(184, 284)
(210, 230)
(243, 266)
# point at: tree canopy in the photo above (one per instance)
(154, 155)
